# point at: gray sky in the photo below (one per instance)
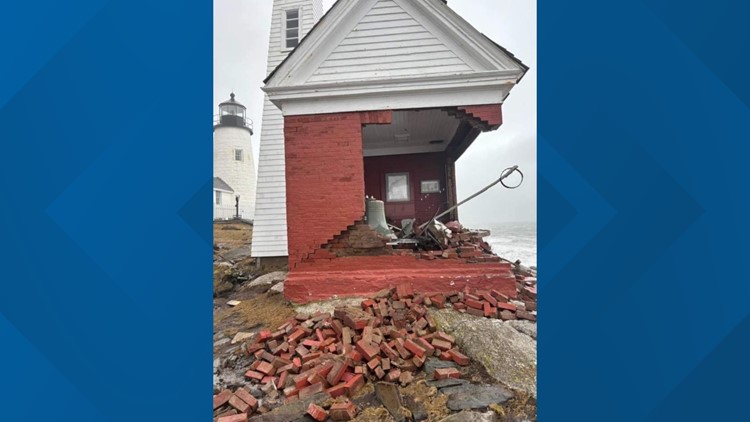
(241, 30)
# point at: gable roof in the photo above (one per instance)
(336, 4)
(389, 54)
(222, 185)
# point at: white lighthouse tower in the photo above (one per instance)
(291, 20)
(234, 167)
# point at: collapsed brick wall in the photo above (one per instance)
(324, 177)
(359, 239)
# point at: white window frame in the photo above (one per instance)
(430, 186)
(408, 187)
(283, 28)
(241, 154)
(217, 197)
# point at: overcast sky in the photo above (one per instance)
(241, 29)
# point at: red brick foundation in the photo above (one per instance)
(364, 275)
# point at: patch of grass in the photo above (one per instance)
(266, 311)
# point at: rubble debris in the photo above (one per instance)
(387, 339)
(317, 412)
(343, 411)
(233, 302)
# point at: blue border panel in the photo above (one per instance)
(105, 170)
(643, 210)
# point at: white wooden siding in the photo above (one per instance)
(388, 42)
(269, 231)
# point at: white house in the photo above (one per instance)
(234, 166)
(379, 91)
(224, 200)
(291, 21)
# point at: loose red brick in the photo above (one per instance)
(263, 335)
(248, 398)
(488, 297)
(441, 344)
(337, 371)
(471, 303)
(439, 301)
(355, 384)
(222, 398)
(445, 337)
(487, 309)
(374, 363)
(475, 312)
(404, 291)
(401, 349)
(281, 380)
(506, 306)
(239, 404)
(233, 418)
(298, 334)
(266, 368)
(268, 379)
(311, 343)
(393, 375)
(443, 373)
(317, 412)
(419, 361)
(414, 348)
(342, 412)
(367, 349)
(254, 375)
(426, 345)
(379, 372)
(311, 390)
(338, 390)
(458, 357)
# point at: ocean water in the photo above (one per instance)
(513, 241)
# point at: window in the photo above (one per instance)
(218, 197)
(397, 187)
(430, 186)
(291, 28)
(238, 155)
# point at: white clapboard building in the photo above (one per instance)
(291, 21)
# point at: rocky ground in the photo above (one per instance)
(499, 384)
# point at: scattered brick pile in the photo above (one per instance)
(464, 244)
(492, 303)
(388, 339)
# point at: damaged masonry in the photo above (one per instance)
(321, 361)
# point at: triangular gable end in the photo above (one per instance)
(389, 42)
(364, 43)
